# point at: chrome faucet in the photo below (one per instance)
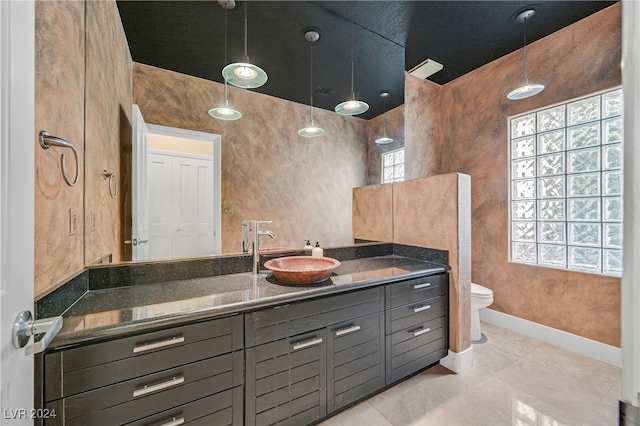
(255, 246)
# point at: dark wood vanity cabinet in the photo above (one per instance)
(291, 364)
(417, 325)
(190, 374)
(307, 359)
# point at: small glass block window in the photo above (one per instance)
(393, 166)
(566, 185)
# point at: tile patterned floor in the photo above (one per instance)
(515, 380)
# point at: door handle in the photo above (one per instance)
(25, 326)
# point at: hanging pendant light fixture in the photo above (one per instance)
(384, 139)
(311, 131)
(352, 106)
(527, 89)
(244, 74)
(225, 112)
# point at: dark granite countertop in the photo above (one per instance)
(101, 314)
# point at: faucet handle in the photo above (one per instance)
(263, 221)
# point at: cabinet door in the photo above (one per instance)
(356, 361)
(286, 380)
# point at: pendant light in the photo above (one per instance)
(311, 131)
(244, 74)
(352, 106)
(384, 139)
(527, 89)
(225, 112)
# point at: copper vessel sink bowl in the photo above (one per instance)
(302, 269)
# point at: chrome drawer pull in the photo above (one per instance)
(155, 345)
(419, 286)
(160, 386)
(302, 345)
(174, 422)
(421, 308)
(420, 331)
(347, 330)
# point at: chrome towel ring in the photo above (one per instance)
(113, 190)
(46, 141)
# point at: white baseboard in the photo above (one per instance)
(458, 362)
(572, 342)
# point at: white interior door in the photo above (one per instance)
(140, 201)
(212, 188)
(161, 214)
(17, 70)
(193, 206)
(180, 205)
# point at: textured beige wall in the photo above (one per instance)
(108, 100)
(375, 126)
(59, 109)
(435, 212)
(74, 37)
(471, 137)
(373, 213)
(423, 128)
(268, 172)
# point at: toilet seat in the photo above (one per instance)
(479, 292)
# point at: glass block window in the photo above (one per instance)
(566, 185)
(393, 166)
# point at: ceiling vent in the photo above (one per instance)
(425, 68)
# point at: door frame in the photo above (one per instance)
(17, 200)
(216, 140)
(630, 294)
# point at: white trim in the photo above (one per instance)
(458, 362)
(630, 303)
(572, 342)
(176, 132)
(170, 153)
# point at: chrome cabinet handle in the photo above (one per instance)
(155, 345)
(419, 286)
(174, 422)
(175, 381)
(419, 331)
(307, 344)
(347, 330)
(421, 308)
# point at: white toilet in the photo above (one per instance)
(481, 297)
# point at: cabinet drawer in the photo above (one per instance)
(147, 395)
(355, 362)
(286, 373)
(224, 408)
(85, 368)
(416, 347)
(415, 313)
(401, 293)
(117, 404)
(275, 323)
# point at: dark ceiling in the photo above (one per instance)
(388, 37)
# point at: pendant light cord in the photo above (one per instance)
(226, 101)
(353, 93)
(311, 85)
(524, 52)
(246, 27)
